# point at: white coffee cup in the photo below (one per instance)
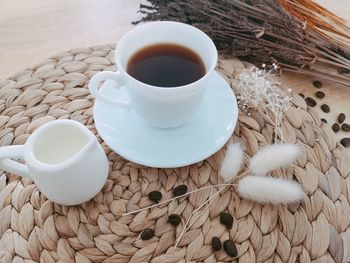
(64, 159)
(161, 107)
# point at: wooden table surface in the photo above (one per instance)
(32, 30)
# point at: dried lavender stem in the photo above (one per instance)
(264, 32)
(346, 83)
(317, 69)
(320, 59)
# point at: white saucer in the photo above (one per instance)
(128, 135)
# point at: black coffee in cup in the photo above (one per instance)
(166, 65)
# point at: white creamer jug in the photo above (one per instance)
(64, 159)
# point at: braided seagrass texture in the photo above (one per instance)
(33, 229)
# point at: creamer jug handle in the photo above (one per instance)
(8, 165)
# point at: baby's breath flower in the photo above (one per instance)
(259, 89)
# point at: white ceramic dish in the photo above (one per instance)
(131, 137)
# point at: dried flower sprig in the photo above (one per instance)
(262, 189)
(258, 89)
(297, 34)
(258, 188)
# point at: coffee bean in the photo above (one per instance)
(302, 95)
(174, 219)
(310, 102)
(147, 234)
(341, 117)
(335, 127)
(323, 120)
(226, 219)
(216, 243)
(155, 195)
(325, 108)
(180, 190)
(345, 142)
(345, 127)
(318, 84)
(230, 248)
(320, 94)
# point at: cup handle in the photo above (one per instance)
(103, 76)
(14, 151)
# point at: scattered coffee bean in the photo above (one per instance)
(216, 243)
(230, 248)
(310, 102)
(341, 117)
(174, 219)
(302, 95)
(155, 195)
(318, 84)
(323, 120)
(180, 190)
(320, 94)
(345, 142)
(325, 108)
(345, 127)
(335, 127)
(226, 219)
(147, 234)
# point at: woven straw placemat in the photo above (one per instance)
(33, 229)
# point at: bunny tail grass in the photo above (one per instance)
(232, 162)
(265, 189)
(272, 157)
